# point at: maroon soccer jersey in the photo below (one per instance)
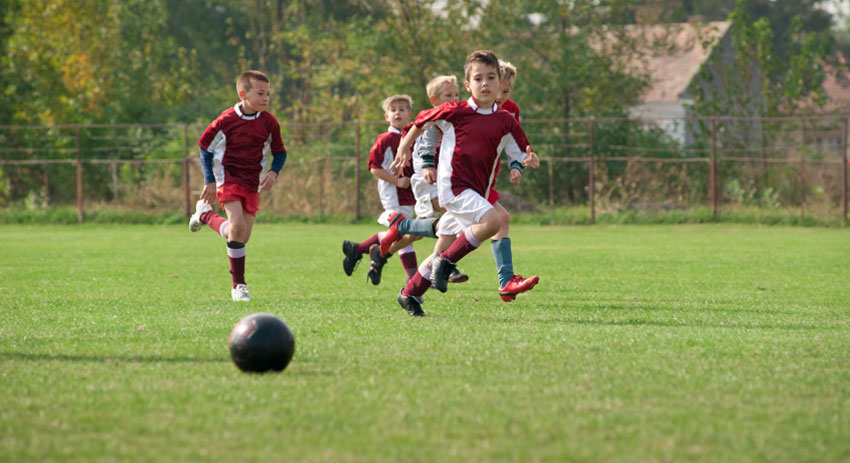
(512, 108)
(238, 142)
(473, 137)
(380, 157)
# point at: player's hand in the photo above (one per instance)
(208, 193)
(268, 180)
(516, 176)
(403, 182)
(430, 175)
(401, 158)
(531, 159)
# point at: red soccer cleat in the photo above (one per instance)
(392, 233)
(517, 285)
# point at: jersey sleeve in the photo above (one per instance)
(376, 154)
(209, 134)
(426, 146)
(277, 141)
(442, 112)
(515, 145)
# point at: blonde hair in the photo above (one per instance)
(434, 86)
(508, 71)
(244, 80)
(385, 105)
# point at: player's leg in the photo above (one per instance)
(410, 297)
(238, 234)
(401, 226)
(485, 226)
(353, 251)
(509, 284)
(406, 253)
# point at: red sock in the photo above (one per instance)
(237, 263)
(462, 246)
(213, 220)
(408, 261)
(419, 283)
(364, 246)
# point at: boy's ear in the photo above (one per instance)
(386, 116)
(466, 84)
(433, 99)
(242, 94)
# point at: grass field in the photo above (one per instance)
(641, 343)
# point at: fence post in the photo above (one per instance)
(79, 177)
(712, 171)
(357, 171)
(187, 196)
(802, 186)
(47, 185)
(844, 166)
(592, 175)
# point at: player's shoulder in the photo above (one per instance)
(510, 106)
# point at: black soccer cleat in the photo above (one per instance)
(352, 257)
(458, 277)
(412, 304)
(441, 270)
(376, 265)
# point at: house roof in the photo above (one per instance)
(670, 55)
(836, 86)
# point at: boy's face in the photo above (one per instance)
(448, 92)
(257, 98)
(483, 82)
(398, 114)
(504, 92)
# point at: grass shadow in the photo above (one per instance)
(34, 357)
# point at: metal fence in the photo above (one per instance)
(607, 165)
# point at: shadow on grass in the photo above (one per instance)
(107, 358)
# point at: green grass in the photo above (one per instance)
(641, 343)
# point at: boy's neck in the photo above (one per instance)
(245, 110)
(482, 104)
(397, 127)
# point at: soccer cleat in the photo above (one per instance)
(195, 223)
(376, 265)
(352, 257)
(240, 293)
(517, 285)
(392, 233)
(458, 277)
(441, 269)
(412, 304)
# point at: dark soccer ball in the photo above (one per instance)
(261, 342)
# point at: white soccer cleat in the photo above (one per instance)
(195, 223)
(240, 293)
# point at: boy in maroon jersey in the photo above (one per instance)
(395, 193)
(233, 149)
(474, 134)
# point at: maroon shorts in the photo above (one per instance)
(493, 196)
(232, 192)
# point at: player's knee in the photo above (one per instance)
(505, 216)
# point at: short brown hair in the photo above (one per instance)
(485, 57)
(435, 84)
(508, 71)
(385, 105)
(244, 80)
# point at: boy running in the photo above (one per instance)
(395, 194)
(474, 134)
(233, 149)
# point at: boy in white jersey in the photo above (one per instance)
(394, 192)
(440, 89)
(474, 134)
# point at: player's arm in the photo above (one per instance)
(208, 193)
(427, 152)
(278, 160)
(400, 182)
(403, 153)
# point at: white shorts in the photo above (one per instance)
(384, 218)
(424, 192)
(464, 210)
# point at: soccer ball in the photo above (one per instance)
(261, 342)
